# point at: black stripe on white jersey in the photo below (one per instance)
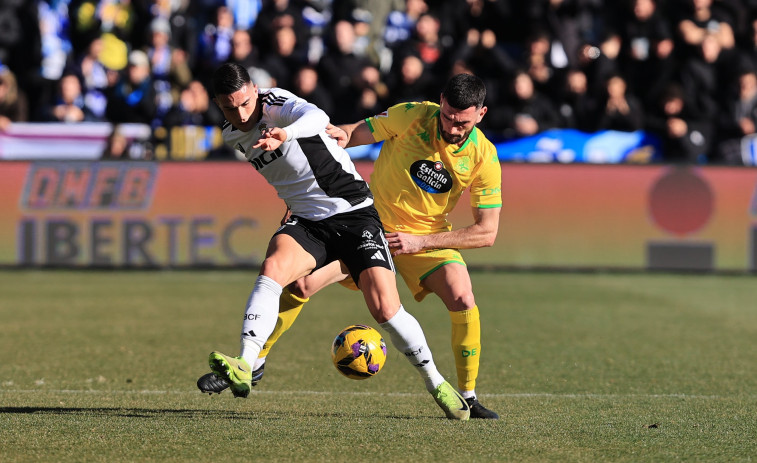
(272, 100)
(328, 172)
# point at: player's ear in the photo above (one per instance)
(481, 113)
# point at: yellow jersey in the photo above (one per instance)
(418, 177)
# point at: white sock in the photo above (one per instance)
(468, 394)
(260, 317)
(407, 336)
(259, 362)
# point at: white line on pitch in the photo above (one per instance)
(546, 395)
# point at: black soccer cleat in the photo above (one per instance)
(479, 411)
(211, 383)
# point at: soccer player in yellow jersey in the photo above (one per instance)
(431, 154)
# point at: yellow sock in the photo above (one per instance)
(289, 308)
(466, 345)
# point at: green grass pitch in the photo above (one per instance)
(583, 367)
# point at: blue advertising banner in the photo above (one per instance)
(564, 146)
(569, 146)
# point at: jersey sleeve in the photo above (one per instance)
(296, 116)
(486, 188)
(393, 121)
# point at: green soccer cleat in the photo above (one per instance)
(234, 370)
(453, 404)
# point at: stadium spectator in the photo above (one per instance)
(95, 77)
(401, 20)
(308, 86)
(426, 43)
(169, 67)
(646, 58)
(538, 60)
(55, 48)
(705, 75)
(481, 55)
(373, 93)
(596, 65)
(339, 69)
(215, 43)
(559, 21)
(193, 108)
(524, 111)
(285, 57)
(370, 77)
(737, 119)
(410, 82)
(364, 45)
(462, 20)
(116, 146)
(747, 55)
(575, 105)
(68, 103)
(372, 21)
(684, 131)
(243, 52)
(274, 15)
(133, 97)
(186, 26)
(13, 102)
(701, 19)
(619, 109)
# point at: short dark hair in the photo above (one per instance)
(229, 78)
(465, 90)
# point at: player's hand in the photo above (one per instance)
(402, 243)
(337, 134)
(271, 138)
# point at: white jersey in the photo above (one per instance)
(312, 174)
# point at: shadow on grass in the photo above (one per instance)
(183, 413)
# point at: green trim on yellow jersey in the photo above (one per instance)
(451, 261)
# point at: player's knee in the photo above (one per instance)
(299, 289)
(463, 301)
(384, 313)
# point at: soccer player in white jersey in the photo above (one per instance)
(332, 218)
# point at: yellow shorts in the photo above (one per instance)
(415, 267)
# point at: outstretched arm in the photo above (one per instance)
(348, 135)
(307, 121)
(481, 234)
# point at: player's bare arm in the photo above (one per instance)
(348, 135)
(482, 233)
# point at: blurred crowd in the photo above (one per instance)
(685, 70)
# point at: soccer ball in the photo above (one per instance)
(358, 352)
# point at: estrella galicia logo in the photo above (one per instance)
(431, 176)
